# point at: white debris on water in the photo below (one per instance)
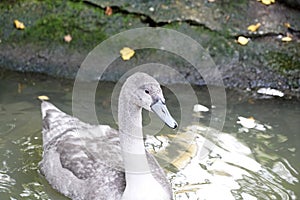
(200, 108)
(251, 123)
(270, 91)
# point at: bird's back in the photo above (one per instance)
(80, 160)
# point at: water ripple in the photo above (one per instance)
(232, 171)
(6, 182)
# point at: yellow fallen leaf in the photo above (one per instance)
(242, 40)
(286, 39)
(254, 27)
(19, 25)
(43, 98)
(267, 2)
(126, 53)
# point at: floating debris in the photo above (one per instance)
(269, 91)
(19, 25)
(242, 40)
(43, 98)
(126, 53)
(254, 27)
(260, 127)
(247, 122)
(200, 108)
(251, 123)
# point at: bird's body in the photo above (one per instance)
(89, 162)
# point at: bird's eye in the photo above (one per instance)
(147, 91)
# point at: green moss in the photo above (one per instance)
(48, 21)
(60, 18)
(283, 62)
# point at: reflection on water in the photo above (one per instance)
(233, 164)
(230, 171)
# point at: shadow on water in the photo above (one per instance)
(238, 163)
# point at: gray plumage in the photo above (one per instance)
(81, 166)
(84, 162)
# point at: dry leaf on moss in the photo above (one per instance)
(68, 38)
(242, 40)
(108, 11)
(286, 39)
(267, 2)
(126, 53)
(19, 25)
(254, 27)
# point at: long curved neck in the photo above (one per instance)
(140, 183)
(131, 138)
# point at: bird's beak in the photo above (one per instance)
(160, 108)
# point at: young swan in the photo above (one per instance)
(140, 91)
(84, 161)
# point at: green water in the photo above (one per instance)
(242, 165)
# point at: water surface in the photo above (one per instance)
(237, 163)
